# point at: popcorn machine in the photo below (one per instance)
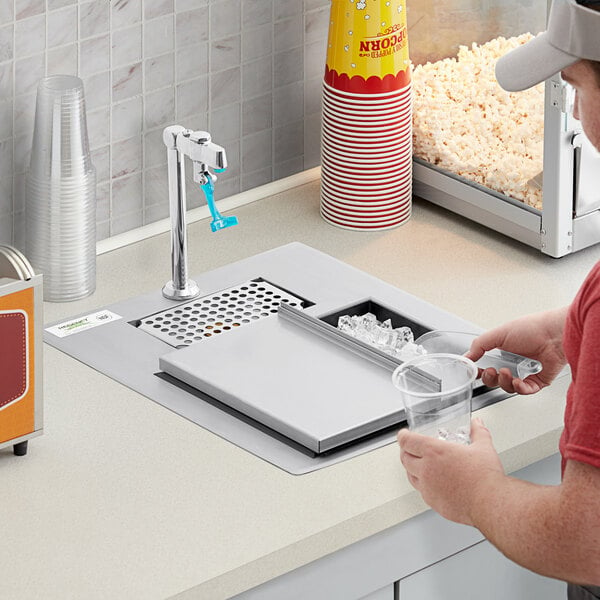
(517, 163)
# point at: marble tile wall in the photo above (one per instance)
(248, 71)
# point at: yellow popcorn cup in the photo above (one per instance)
(367, 49)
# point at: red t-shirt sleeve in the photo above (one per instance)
(583, 422)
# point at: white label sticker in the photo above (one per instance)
(83, 323)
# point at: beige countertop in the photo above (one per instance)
(122, 498)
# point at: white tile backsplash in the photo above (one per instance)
(289, 141)
(97, 90)
(288, 34)
(94, 18)
(225, 52)
(248, 71)
(126, 82)
(62, 60)
(257, 114)
(6, 225)
(256, 178)
(225, 18)
(127, 12)
(192, 97)
(192, 61)
(23, 114)
(126, 157)
(256, 77)
(127, 119)
(186, 5)
(7, 42)
(94, 55)
(226, 87)
(159, 72)
(257, 150)
(257, 42)
(28, 8)
(62, 27)
(6, 206)
(159, 36)
(191, 27)
(98, 123)
(28, 72)
(6, 80)
(6, 120)
(30, 36)
(6, 12)
(288, 103)
(127, 197)
(6, 158)
(54, 4)
(127, 45)
(257, 12)
(159, 108)
(155, 152)
(101, 161)
(158, 8)
(228, 122)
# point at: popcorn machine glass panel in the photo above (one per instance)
(482, 152)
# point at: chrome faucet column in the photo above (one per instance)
(197, 145)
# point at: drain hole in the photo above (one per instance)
(218, 313)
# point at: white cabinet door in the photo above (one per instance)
(479, 572)
(386, 593)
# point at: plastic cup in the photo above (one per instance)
(61, 192)
(436, 390)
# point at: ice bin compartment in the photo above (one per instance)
(381, 312)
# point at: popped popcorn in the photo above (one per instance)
(464, 122)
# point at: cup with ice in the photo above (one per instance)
(436, 390)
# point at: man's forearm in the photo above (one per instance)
(529, 523)
(557, 318)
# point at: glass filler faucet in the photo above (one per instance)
(205, 155)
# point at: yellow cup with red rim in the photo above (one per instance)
(367, 49)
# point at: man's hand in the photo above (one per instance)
(536, 336)
(450, 475)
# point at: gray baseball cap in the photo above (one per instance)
(573, 33)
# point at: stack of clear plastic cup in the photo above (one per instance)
(61, 192)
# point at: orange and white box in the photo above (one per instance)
(21, 390)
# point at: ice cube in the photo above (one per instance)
(405, 334)
(384, 337)
(346, 323)
(369, 321)
(410, 350)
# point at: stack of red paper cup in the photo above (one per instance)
(366, 156)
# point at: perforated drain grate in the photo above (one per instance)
(218, 313)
